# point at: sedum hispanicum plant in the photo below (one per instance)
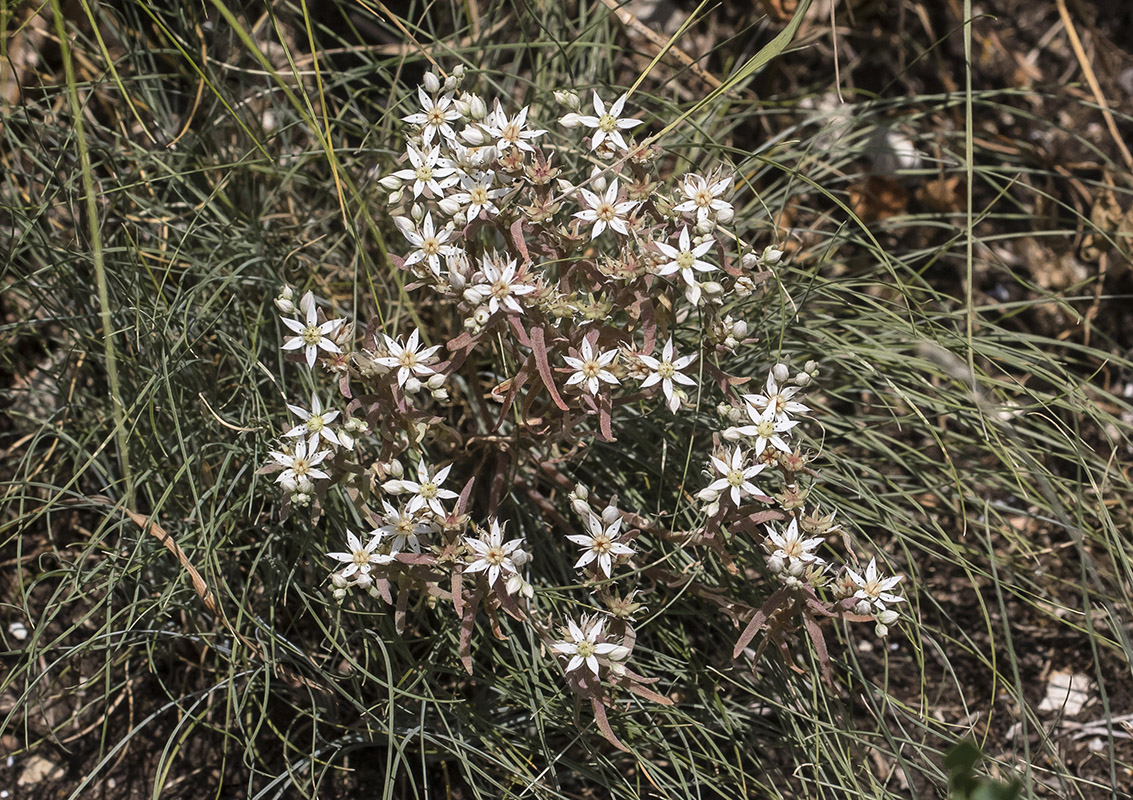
(588, 296)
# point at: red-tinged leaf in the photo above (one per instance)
(458, 592)
(467, 623)
(649, 694)
(400, 609)
(382, 585)
(648, 325)
(416, 559)
(605, 428)
(819, 642)
(519, 241)
(543, 365)
(459, 342)
(520, 332)
(604, 724)
(397, 260)
(465, 493)
(761, 616)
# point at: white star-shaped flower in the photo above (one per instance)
(583, 646)
(430, 172)
(361, 558)
(605, 211)
(478, 195)
(775, 402)
(499, 285)
(410, 359)
(703, 197)
(609, 124)
(315, 422)
(874, 589)
(309, 335)
(430, 243)
(300, 465)
(511, 132)
(686, 260)
(403, 526)
(766, 431)
(665, 370)
(735, 477)
(427, 491)
(601, 543)
(491, 553)
(790, 550)
(591, 368)
(434, 116)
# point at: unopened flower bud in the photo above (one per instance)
(619, 653)
(705, 226)
(663, 206)
(283, 302)
(395, 197)
(771, 255)
(863, 608)
(712, 509)
(566, 97)
(339, 594)
(749, 261)
(306, 486)
(597, 179)
(732, 434)
(440, 395)
(472, 296)
(364, 580)
(462, 106)
(725, 215)
(775, 564)
(460, 219)
(475, 136)
(432, 83)
(707, 495)
(417, 211)
(739, 329)
(482, 315)
(412, 385)
(571, 120)
(618, 669)
(390, 183)
(880, 630)
(781, 372)
(393, 487)
(811, 368)
(338, 581)
(450, 84)
(888, 616)
(301, 499)
(477, 108)
(712, 288)
(796, 568)
(435, 381)
(449, 206)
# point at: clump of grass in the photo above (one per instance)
(967, 436)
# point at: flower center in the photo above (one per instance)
(510, 132)
(591, 369)
(765, 429)
(431, 246)
(311, 334)
(361, 557)
(315, 424)
(435, 117)
(666, 370)
(301, 466)
(404, 526)
(736, 477)
(479, 195)
(501, 289)
(428, 490)
(607, 123)
(424, 173)
(704, 198)
(407, 359)
(586, 649)
(686, 259)
(794, 548)
(495, 556)
(601, 544)
(605, 212)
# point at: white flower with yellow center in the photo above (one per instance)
(431, 244)
(403, 527)
(686, 260)
(430, 172)
(601, 544)
(583, 646)
(301, 465)
(427, 491)
(735, 478)
(702, 197)
(491, 553)
(434, 116)
(478, 195)
(591, 368)
(874, 590)
(665, 371)
(410, 359)
(608, 123)
(605, 210)
(768, 431)
(510, 132)
(775, 402)
(360, 558)
(790, 551)
(316, 423)
(311, 335)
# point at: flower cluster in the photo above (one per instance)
(586, 282)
